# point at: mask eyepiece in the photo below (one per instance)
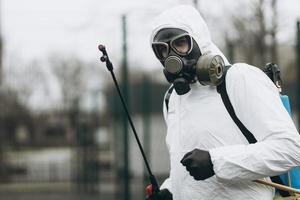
(182, 44)
(161, 50)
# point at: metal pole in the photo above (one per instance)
(298, 69)
(118, 142)
(125, 91)
(146, 122)
(1, 46)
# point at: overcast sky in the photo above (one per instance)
(37, 29)
(34, 29)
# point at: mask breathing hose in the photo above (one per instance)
(104, 58)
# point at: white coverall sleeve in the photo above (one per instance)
(257, 104)
(167, 184)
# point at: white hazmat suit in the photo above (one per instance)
(199, 119)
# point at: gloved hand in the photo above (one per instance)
(198, 164)
(163, 194)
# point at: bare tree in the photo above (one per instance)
(76, 79)
(69, 73)
(261, 33)
(273, 32)
(252, 33)
(25, 80)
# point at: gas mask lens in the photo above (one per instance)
(182, 44)
(160, 49)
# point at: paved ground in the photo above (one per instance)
(65, 191)
(65, 196)
(61, 196)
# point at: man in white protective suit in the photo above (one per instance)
(209, 156)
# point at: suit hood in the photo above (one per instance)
(189, 19)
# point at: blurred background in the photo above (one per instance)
(63, 133)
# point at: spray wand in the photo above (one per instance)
(153, 188)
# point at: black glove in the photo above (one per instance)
(163, 194)
(198, 164)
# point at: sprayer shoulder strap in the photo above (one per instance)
(248, 135)
(168, 95)
(223, 92)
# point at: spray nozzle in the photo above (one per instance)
(104, 57)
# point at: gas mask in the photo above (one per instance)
(183, 62)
